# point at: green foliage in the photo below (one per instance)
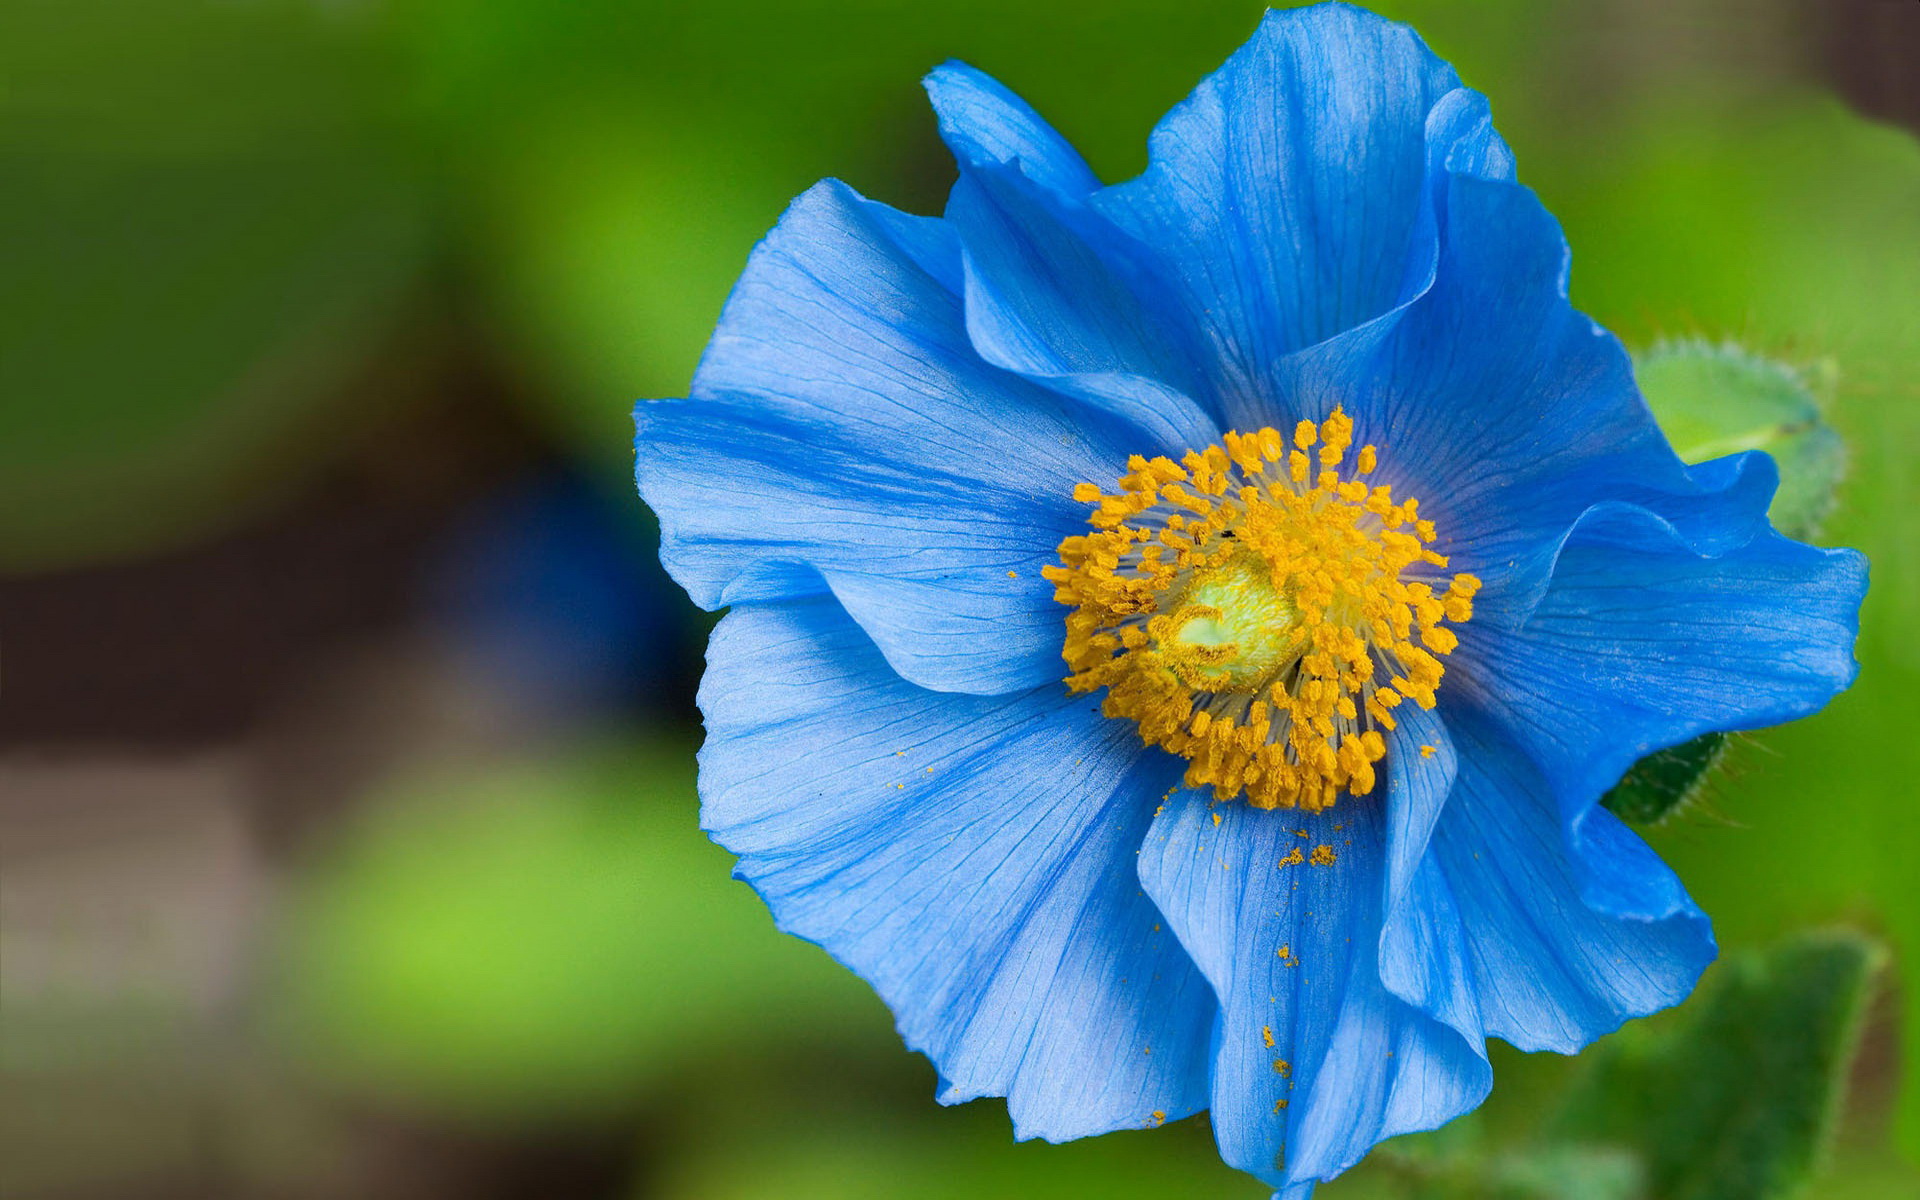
(208, 234)
(1739, 1101)
(1732, 1098)
(1717, 400)
(918, 1151)
(1566, 1173)
(542, 938)
(1665, 781)
(1456, 1162)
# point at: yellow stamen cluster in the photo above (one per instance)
(1255, 611)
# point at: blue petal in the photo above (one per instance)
(1421, 764)
(984, 123)
(1506, 412)
(1549, 969)
(1307, 384)
(1058, 294)
(971, 857)
(1289, 191)
(1310, 382)
(1315, 1061)
(1461, 140)
(1420, 942)
(843, 429)
(1652, 631)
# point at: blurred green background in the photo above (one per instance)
(346, 732)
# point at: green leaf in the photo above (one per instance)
(1665, 781)
(1739, 1101)
(1717, 400)
(1712, 401)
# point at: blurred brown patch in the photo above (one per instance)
(1871, 53)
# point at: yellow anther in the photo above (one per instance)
(1259, 627)
(1337, 429)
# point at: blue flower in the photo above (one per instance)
(1370, 570)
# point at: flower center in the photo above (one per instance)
(1258, 616)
